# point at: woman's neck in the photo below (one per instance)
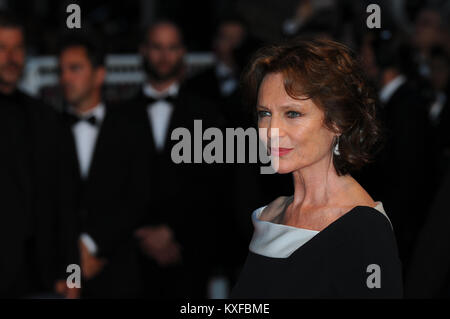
(317, 185)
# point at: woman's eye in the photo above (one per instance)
(263, 114)
(293, 114)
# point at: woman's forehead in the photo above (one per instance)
(272, 92)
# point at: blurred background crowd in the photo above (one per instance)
(86, 175)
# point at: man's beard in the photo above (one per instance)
(76, 100)
(154, 74)
(7, 82)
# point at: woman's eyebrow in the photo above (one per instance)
(287, 106)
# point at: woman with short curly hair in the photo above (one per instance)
(330, 239)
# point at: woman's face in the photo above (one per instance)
(303, 140)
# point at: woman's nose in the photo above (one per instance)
(275, 128)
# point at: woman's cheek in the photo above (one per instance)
(263, 122)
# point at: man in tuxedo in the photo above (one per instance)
(232, 47)
(222, 79)
(399, 176)
(247, 188)
(428, 272)
(439, 113)
(428, 275)
(32, 183)
(110, 193)
(178, 235)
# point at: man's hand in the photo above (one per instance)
(91, 266)
(159, 243)
(69, 293)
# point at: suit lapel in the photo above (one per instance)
(174, 122)
(100, 151)
(215, 85)
(20, 149)
(73, 152)
(144, 119)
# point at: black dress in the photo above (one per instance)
(332, 263)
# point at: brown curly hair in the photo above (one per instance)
(329, 73)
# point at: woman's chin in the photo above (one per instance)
(282, 165)
(282, 169)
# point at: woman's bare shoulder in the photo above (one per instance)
(356, 195)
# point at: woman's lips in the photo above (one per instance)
(280, 151)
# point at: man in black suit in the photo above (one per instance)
(110, 193)
(428, 275)
(220, 82)
(439, 113)
(222, 79)
(247, 189)
(33, 254)
(179, 233)
(399, 176)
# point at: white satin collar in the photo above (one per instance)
(280, 241)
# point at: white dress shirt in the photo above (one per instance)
(389, 89)
(159, 112)
(230, 84)
(436, 107)
(85, 136)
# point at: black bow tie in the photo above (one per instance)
(73, 119)
(169, 99)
